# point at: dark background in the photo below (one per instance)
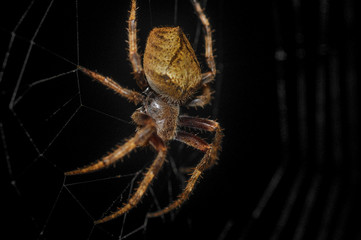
(287, 95)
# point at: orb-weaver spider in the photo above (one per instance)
(171, 78)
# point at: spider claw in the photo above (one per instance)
(118, 213)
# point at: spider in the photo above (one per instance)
(169, 78)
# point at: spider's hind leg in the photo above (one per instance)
(207, 77)
(134, 56)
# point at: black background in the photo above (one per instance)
(286, 95)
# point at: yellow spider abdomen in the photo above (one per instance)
(170, 64)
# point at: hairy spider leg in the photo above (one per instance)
(134, 56)
(209, 159)
(153, 170)
(192, 140)
(205, 97)
(130, 95)
(141, 138)
(208, 76)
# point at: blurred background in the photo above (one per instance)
(286, 93)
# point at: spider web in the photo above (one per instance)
(290, 162)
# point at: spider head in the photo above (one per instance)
(170, 64)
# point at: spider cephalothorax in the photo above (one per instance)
(170, 79)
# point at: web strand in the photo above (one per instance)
(28, 55)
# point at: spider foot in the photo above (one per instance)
(181, 198)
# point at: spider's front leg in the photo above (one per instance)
(146, 134)
(141, 138)
(153, 170)
(209, 159)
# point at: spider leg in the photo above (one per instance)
(192, 140)
(206, 125)
(209, 158)
(203, 99)
(131, 95)
(134, 56)
(141, 138)
(153, 170)
(208, 76)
